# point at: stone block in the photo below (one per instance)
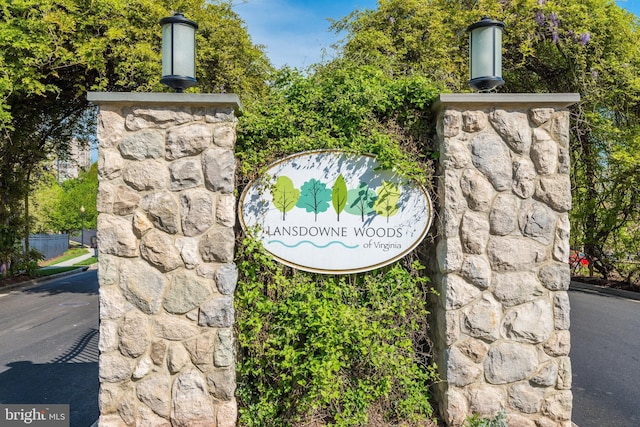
(503, 217)
(159, 250)
(219, 166)
(201, 349)
(154, 391)
(190, 401)
(224, 135)
(458, 292)
(492, 157)
(555, 191)
(474, 232)
(524, 178)
(114, 367)
(477, 190)
(508, 362)
(197, 211)
(134, 334)
(461, 370)
(226, 278)
(145, 144)
(146, 175)
(142, 285)
(224, 354)
(222, 383)
(163, 211)
(110, 164)
(481, 319)
(218, 245)
(531, 322)
(186, 292)
(116, 237)
(525, 398)
(184, 174)
(513, 127)
(188, 140)
(174, 328)
(217, 312)
(518, 287)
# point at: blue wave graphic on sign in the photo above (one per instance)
(334, 242)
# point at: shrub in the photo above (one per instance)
(341, 350)
(500, 420)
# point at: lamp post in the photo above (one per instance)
(82, 218)
(485, 54)
(178, 52)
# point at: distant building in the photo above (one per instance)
(78, 159)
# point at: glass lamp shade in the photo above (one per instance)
(178, 52)
(485, 54)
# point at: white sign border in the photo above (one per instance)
(400, 255)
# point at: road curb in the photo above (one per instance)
(41, 280)
(586, 287)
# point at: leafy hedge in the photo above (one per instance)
(345, 350)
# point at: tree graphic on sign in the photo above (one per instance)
(314, 197)
(339, 195)
(360, 200)
(387, 202)
(285, 195)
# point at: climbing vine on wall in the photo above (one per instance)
(345, 350)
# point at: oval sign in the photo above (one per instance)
(335, 213)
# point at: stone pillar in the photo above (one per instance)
(166, 244)
(501, 264)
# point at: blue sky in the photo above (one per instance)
(296, 32)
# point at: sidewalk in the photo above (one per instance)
(26, 284)
(72, 261)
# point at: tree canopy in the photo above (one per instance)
(53, 51)
(590, 47)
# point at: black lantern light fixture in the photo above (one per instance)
(485, 54)
(178, 52)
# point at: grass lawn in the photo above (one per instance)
(71, 253)
(87, 261)
(51, 271)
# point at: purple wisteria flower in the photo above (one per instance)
(585, 38)
(553, 18)
(554, 37)
(541, 2)
(540, 18)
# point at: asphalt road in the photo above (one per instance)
(49, 346)
(49, 352)
(605, 359)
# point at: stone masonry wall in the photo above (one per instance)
(166, 272)
(502, 317)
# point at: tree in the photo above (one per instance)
(339, 195)
(77, 193)
(285, 195)
(588, 47)
(56, 207)
(386, 203)
(45, 205)
(53, 51)
(314, 197)
(360, 201)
